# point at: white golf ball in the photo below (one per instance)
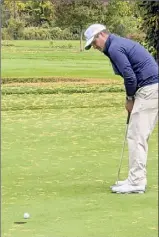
(26, 215)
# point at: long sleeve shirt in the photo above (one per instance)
(131, 61)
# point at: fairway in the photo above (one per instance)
(61, 145)
(63, 58)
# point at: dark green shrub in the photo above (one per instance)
(55, 33)
(35, 33)
(66, 34)
(5, 34)
(15, 28)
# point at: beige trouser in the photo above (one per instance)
(142, 122)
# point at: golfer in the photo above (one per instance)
(140, 72)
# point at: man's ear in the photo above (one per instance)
(103, 34)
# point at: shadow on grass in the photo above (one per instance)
(81, 189)
(20, 222)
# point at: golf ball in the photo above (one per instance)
(26, 215)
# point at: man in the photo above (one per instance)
(140, 72)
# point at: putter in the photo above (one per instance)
(122, 154)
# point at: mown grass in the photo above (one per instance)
(62, 135)
(60, 155)
(62, 101)
(41, 59)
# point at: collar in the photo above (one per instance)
(107, 44)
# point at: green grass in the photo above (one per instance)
(61, 145)
(60, 154)
(66, 89)
(62, 59)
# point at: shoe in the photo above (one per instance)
(122, 182)
(128, 188)
(119, 183)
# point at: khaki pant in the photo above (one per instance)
(142, 122)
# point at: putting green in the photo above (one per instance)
(60, 154)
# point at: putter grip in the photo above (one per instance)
(128, 118)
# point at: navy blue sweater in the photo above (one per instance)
(131, 61)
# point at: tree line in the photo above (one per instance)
(67, 19)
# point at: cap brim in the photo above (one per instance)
(88, 43)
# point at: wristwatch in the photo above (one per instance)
(130, 98)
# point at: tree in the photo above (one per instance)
(8, 10)
(10, 19)
(36, 12)
(5, 15)
(33, 12)
(39, 12)
(149, 11)
(78, 14)
(120, 17)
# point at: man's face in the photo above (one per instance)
(99, 41)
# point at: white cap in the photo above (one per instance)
(91, 32)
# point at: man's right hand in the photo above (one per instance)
(129, 105)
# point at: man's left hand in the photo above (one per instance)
(129, 105)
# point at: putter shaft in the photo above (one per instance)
(122, 154)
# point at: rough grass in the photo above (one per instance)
(67, 89)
